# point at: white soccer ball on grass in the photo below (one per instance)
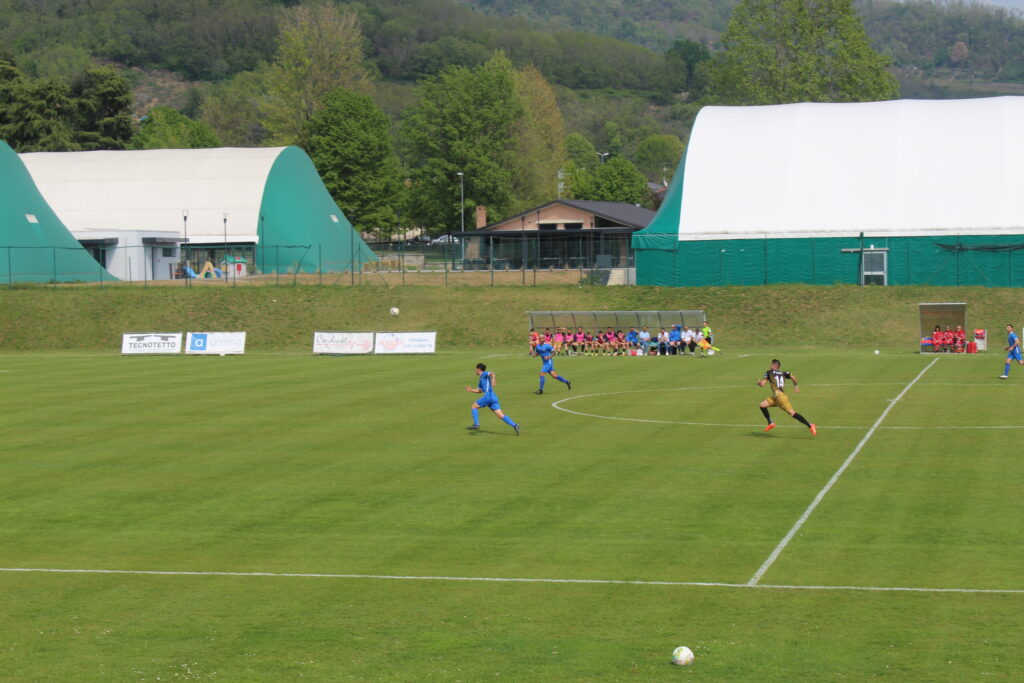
(394, 310)
(682, 656)
(876, 352)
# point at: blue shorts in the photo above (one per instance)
(1014, 355)
(548, 366)
(489, 401)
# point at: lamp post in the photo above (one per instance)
(259, 245)
(602, 155)
(184, 220)
(462, 216)
(225, 214)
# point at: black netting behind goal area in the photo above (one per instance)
(617, 320)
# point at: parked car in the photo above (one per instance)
(444, 239)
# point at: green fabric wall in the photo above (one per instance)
(911, 260)
(36, 252)
(297, 233)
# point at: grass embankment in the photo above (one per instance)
(283, 318)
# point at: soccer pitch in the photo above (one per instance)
(278, 515)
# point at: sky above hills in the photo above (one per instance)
(1010, 4)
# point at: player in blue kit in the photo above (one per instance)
(1012, 351)
(489, 399)
(546, 352)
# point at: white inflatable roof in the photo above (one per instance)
(904, 167)
(148, 189)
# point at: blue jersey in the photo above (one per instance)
(545, 351)
(488, 399)
(1014, 352)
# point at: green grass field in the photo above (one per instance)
(290, 500)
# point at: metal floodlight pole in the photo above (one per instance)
(462, 215)
(602, 155)
(259, 245)
(184, 220)
(225, 237)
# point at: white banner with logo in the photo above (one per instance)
(342, 342)
(151, 342)
(215, 343)
(405, 342)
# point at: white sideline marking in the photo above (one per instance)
(390, 577)
(831, 482)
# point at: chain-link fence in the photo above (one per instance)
(522, 259)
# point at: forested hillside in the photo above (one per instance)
(941, 47)
(396, 100)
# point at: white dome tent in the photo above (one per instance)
(269, 201)
(891, 192)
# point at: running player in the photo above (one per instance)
(489, 399)
(1013, 351)
(545, 351)
(777, 378)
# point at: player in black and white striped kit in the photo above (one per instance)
(777, 378)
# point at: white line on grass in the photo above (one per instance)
(484, 579)
(831, 482)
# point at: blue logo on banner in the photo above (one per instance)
(198, 342)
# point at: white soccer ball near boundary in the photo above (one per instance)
(394, 310)
(682, 656)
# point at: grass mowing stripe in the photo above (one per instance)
(486, 579)
(831, 482)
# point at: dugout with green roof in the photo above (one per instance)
(35, 246)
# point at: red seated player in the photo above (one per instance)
(938, 339)
(959, 339)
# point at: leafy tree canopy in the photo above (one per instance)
(462, 122)
(616, 180)
(53, 115)
(778, 51)
(166, 128)
(658, 155)
(350, 144)
(320, 49)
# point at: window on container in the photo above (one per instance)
(875, 268)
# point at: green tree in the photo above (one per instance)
(581, 151)
(38, 116)
(616, 180)
(448, 51)
(658, 155)
(232, 110)
(319, 49)
(462, 122)
(576, 181)
(103, 109)
(682, 62)
(778, 51)
(350, 144)
(539, 140)
(167, 128)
